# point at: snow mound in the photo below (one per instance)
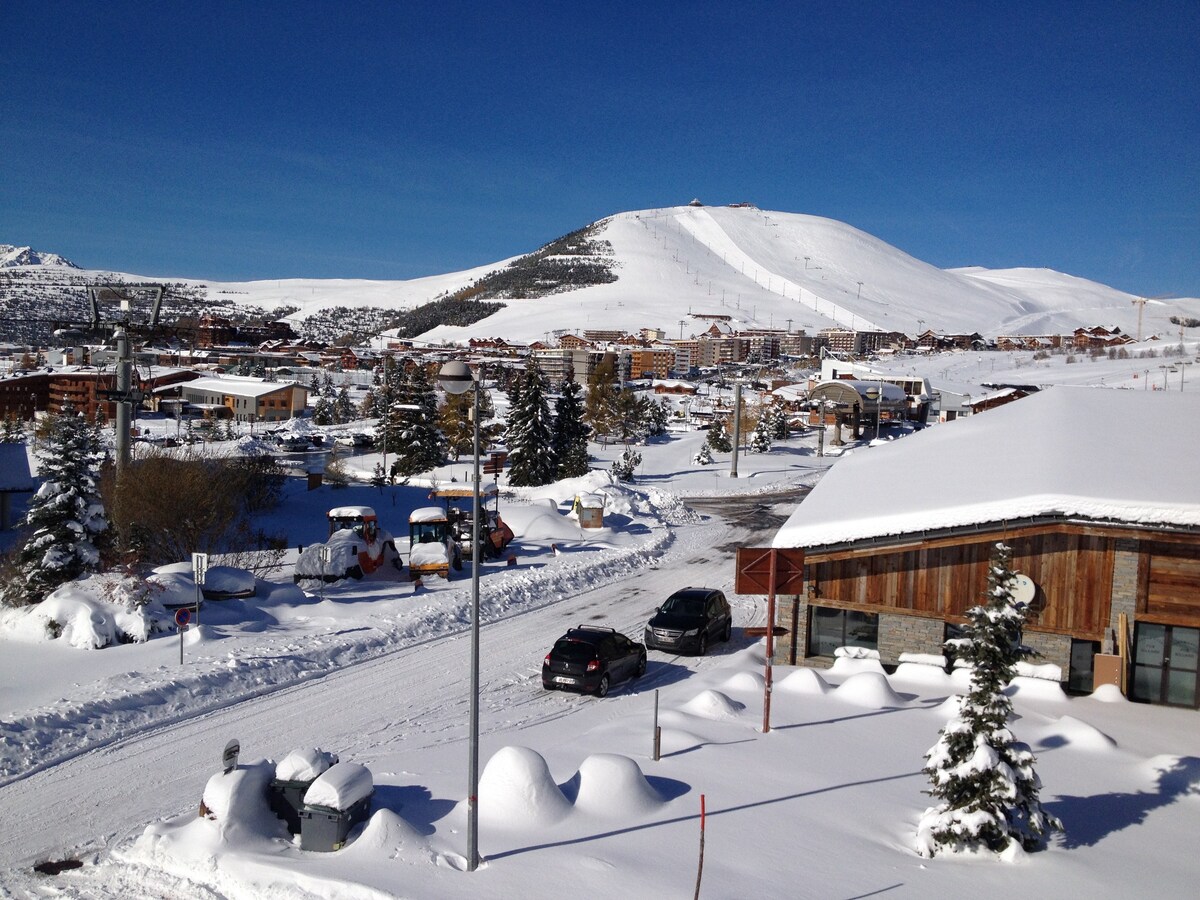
(1081, 735)
(237, 800)
(804, 681)
(926, 674)
(92, 613)
(951, 706)
(612, 786)
(1109, 693)
(544, 524)
(853, 665)
(386, 833)
(870, 690)
(1047, 671)
(713, 705)
(1036, 689)
(223, 582)
(516, 791)
(927, 659)
(745, 681)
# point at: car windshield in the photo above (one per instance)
(684, 606)
(575, 651)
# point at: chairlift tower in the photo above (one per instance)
(126, 308)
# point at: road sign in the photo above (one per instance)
(199, 566)
(182, 617)
(229, 758)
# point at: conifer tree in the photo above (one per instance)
(419, 446)
(718, 438)
(570, 431)
(983, 777)
(66, 516)
(343, 406)
(760, 438)
(530, 434)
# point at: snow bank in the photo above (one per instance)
(852, 665)
(92, 613)
(1036, 689)
(1080, 735)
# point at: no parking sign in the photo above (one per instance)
(182, 617)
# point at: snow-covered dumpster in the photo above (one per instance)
(294, 775)
(337, 800)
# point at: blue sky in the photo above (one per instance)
(243, 140)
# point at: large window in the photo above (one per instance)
(829, 629)
(1165, 664)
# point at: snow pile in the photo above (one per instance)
(803, 681)
(1109, 693)
(852, 660)
(516, 791)
(871, 690)
(1036, 689)
(95, 612)
(713, 705)
(610, 785)
(1079, 734)
(745, 681)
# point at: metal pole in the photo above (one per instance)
(473, 764)
(124, 385)
(737, 428)
(770, 645)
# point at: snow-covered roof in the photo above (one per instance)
(351, 512)
(238, 387)
(427, 514)
(1125, 456)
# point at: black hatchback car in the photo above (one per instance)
(689, 621)
(590, 660)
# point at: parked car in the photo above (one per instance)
(590, 659)
(689, 621)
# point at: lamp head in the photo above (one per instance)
(455, 377)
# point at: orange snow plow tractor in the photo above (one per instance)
(357, 546)
(494, 534)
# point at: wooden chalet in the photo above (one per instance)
(897, 540)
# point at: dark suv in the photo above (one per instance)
(589, 659)
(690, 620)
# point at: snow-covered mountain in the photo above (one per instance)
(26, 256)
(658, 267)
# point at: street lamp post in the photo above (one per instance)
(455, 378)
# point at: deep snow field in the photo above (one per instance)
(107, 754)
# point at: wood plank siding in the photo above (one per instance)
(1170, 584)
(942, 578)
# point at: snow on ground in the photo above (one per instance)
(823, 805)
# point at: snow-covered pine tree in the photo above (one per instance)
(343, 406)
(760, 438)
(774, 421)
(718, 437)
(984, 778)
(704, 457)
(626, 464)
(323, 413)
(530, 433)
(570, 431)
(420, 445)
(66, 516)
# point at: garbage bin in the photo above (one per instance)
(335, 802)
(294, 775)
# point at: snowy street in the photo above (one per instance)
(414, 697)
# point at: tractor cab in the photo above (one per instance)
(359, 519)
(432, 546)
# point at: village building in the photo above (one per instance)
(246, 399)
(897, 540)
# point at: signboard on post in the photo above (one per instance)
(753, 574)
(182, 617)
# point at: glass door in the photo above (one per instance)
(1166, 665)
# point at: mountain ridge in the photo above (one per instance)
(660, 268)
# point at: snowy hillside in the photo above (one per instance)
(761, 268)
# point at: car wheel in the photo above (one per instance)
(728, 630)
(702, 647)
(602, 687)
(641, 667)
